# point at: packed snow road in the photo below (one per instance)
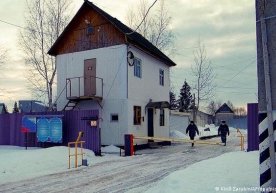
(125, 174)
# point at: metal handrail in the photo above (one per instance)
(69, 81)
(242, 139)
(65, 87)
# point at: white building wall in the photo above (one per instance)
(121, 90)
(148, 86)
(111, 65)
(162, 131)
(142, 90)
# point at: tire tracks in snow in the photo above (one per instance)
(120, 175)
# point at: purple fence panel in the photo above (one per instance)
(252, 127)
(4, 130)
(10, 130)
(74, 123)
(16, 136)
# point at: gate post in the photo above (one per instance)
(129, 150)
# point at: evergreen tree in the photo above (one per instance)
(15, 108)
(185, 98)
(173, 101)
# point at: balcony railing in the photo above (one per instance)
(84, 87)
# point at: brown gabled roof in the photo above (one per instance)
(133, 38)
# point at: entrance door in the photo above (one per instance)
(90, 77)
(150, 122)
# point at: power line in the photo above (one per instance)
(234, 87)
(15, 25)
(237, 92)
(25, 28)
(229, 41)
(238, 73)
(235, 62)
(142, 19)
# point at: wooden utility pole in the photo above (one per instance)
(266, 130)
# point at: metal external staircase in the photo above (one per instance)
(76, 91)
(71, 104)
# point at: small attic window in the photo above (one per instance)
(89, 29)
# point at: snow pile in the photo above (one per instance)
(212, 130)
(179, 135)
(110, 149)
(208, 130)
(16, 163)
(228, 172)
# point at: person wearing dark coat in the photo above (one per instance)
(192, 129)
(223, 130)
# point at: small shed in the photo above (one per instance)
(203, 118)
(28, 106)
(224, 113)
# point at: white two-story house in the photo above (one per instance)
(102, 64)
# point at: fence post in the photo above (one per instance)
(129, 150)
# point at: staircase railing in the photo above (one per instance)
(75, 87)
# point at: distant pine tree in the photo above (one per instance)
(185, 98)
(15, 108)
(173, 101)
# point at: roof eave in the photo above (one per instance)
(167, 62)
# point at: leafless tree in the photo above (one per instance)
(204, 75)
(213, 106)
(3, 56)
(156, 25)
(240, 111)
(44, 21)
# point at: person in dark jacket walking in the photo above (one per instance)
(223, 130)
(192, 129)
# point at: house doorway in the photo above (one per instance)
(90, 77)
(150, 123)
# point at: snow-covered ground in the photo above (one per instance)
(16, 163)
(226, 173)
(45, 170)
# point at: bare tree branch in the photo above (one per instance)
(204, 75)
(45, 20)
(3, 55)
(156, 26)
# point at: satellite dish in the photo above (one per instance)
(130, 58)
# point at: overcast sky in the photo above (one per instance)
(225, 27)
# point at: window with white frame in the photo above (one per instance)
(161, 77)
(137, 67)
(162, 117)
